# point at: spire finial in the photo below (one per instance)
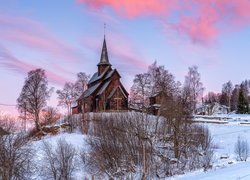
(104, 29)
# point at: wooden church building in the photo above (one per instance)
(105, 91)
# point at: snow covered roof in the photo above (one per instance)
(103, 88)
(95, 77)
(90, 90)
(110, 74)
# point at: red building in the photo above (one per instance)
(105, 91)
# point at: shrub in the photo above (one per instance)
(241, 149)
(59, 162)
(15, 157)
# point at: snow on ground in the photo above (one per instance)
(76, 139)
(224, 118)
(224, 137)
(233, 172)
(225, 165)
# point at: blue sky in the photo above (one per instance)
(65, 37)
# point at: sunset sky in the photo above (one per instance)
(64, 37)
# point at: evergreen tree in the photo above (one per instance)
(234, 98)
(243, 106)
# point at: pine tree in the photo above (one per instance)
(243, 106)
(235, 98)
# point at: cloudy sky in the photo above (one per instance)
(64, 37)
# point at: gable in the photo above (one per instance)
(103, 88)
(112, 73)
(114, 91)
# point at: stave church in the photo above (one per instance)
(105, 91)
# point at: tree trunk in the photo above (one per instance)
(38, 126)
(176, 145)
(144, 175)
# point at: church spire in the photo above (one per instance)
(104, 60)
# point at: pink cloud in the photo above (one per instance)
(34, 35)
(201, 20)
(9, 61)
(131, 8)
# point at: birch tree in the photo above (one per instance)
(34, 95)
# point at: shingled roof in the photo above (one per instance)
(91, 90)
(104, 81)
(95, 77)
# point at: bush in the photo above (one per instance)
(116, 145)
(126, 145)
(241, 149)
(15, 157)
(59, 162)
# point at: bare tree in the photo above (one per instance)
(211, 100)
(59, 162)
(140, 92)
(119, 144)
(15, 157)
(50, 115)
(193, 87)
(81, 83)
(161, 79)
(8, 124)
(226, 93)
(241, 149)
(34, 95)
(67, 96)
(212, 97)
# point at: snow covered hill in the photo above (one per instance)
(233, 172)
(224, 136)
(76, 140)
(225, 165)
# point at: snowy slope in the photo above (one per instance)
(233, 172)
(77, 140)
(225, 137)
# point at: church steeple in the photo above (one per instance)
(104, 56)
(104, 60)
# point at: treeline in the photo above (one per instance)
(235, 97)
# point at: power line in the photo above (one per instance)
(3, 104)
